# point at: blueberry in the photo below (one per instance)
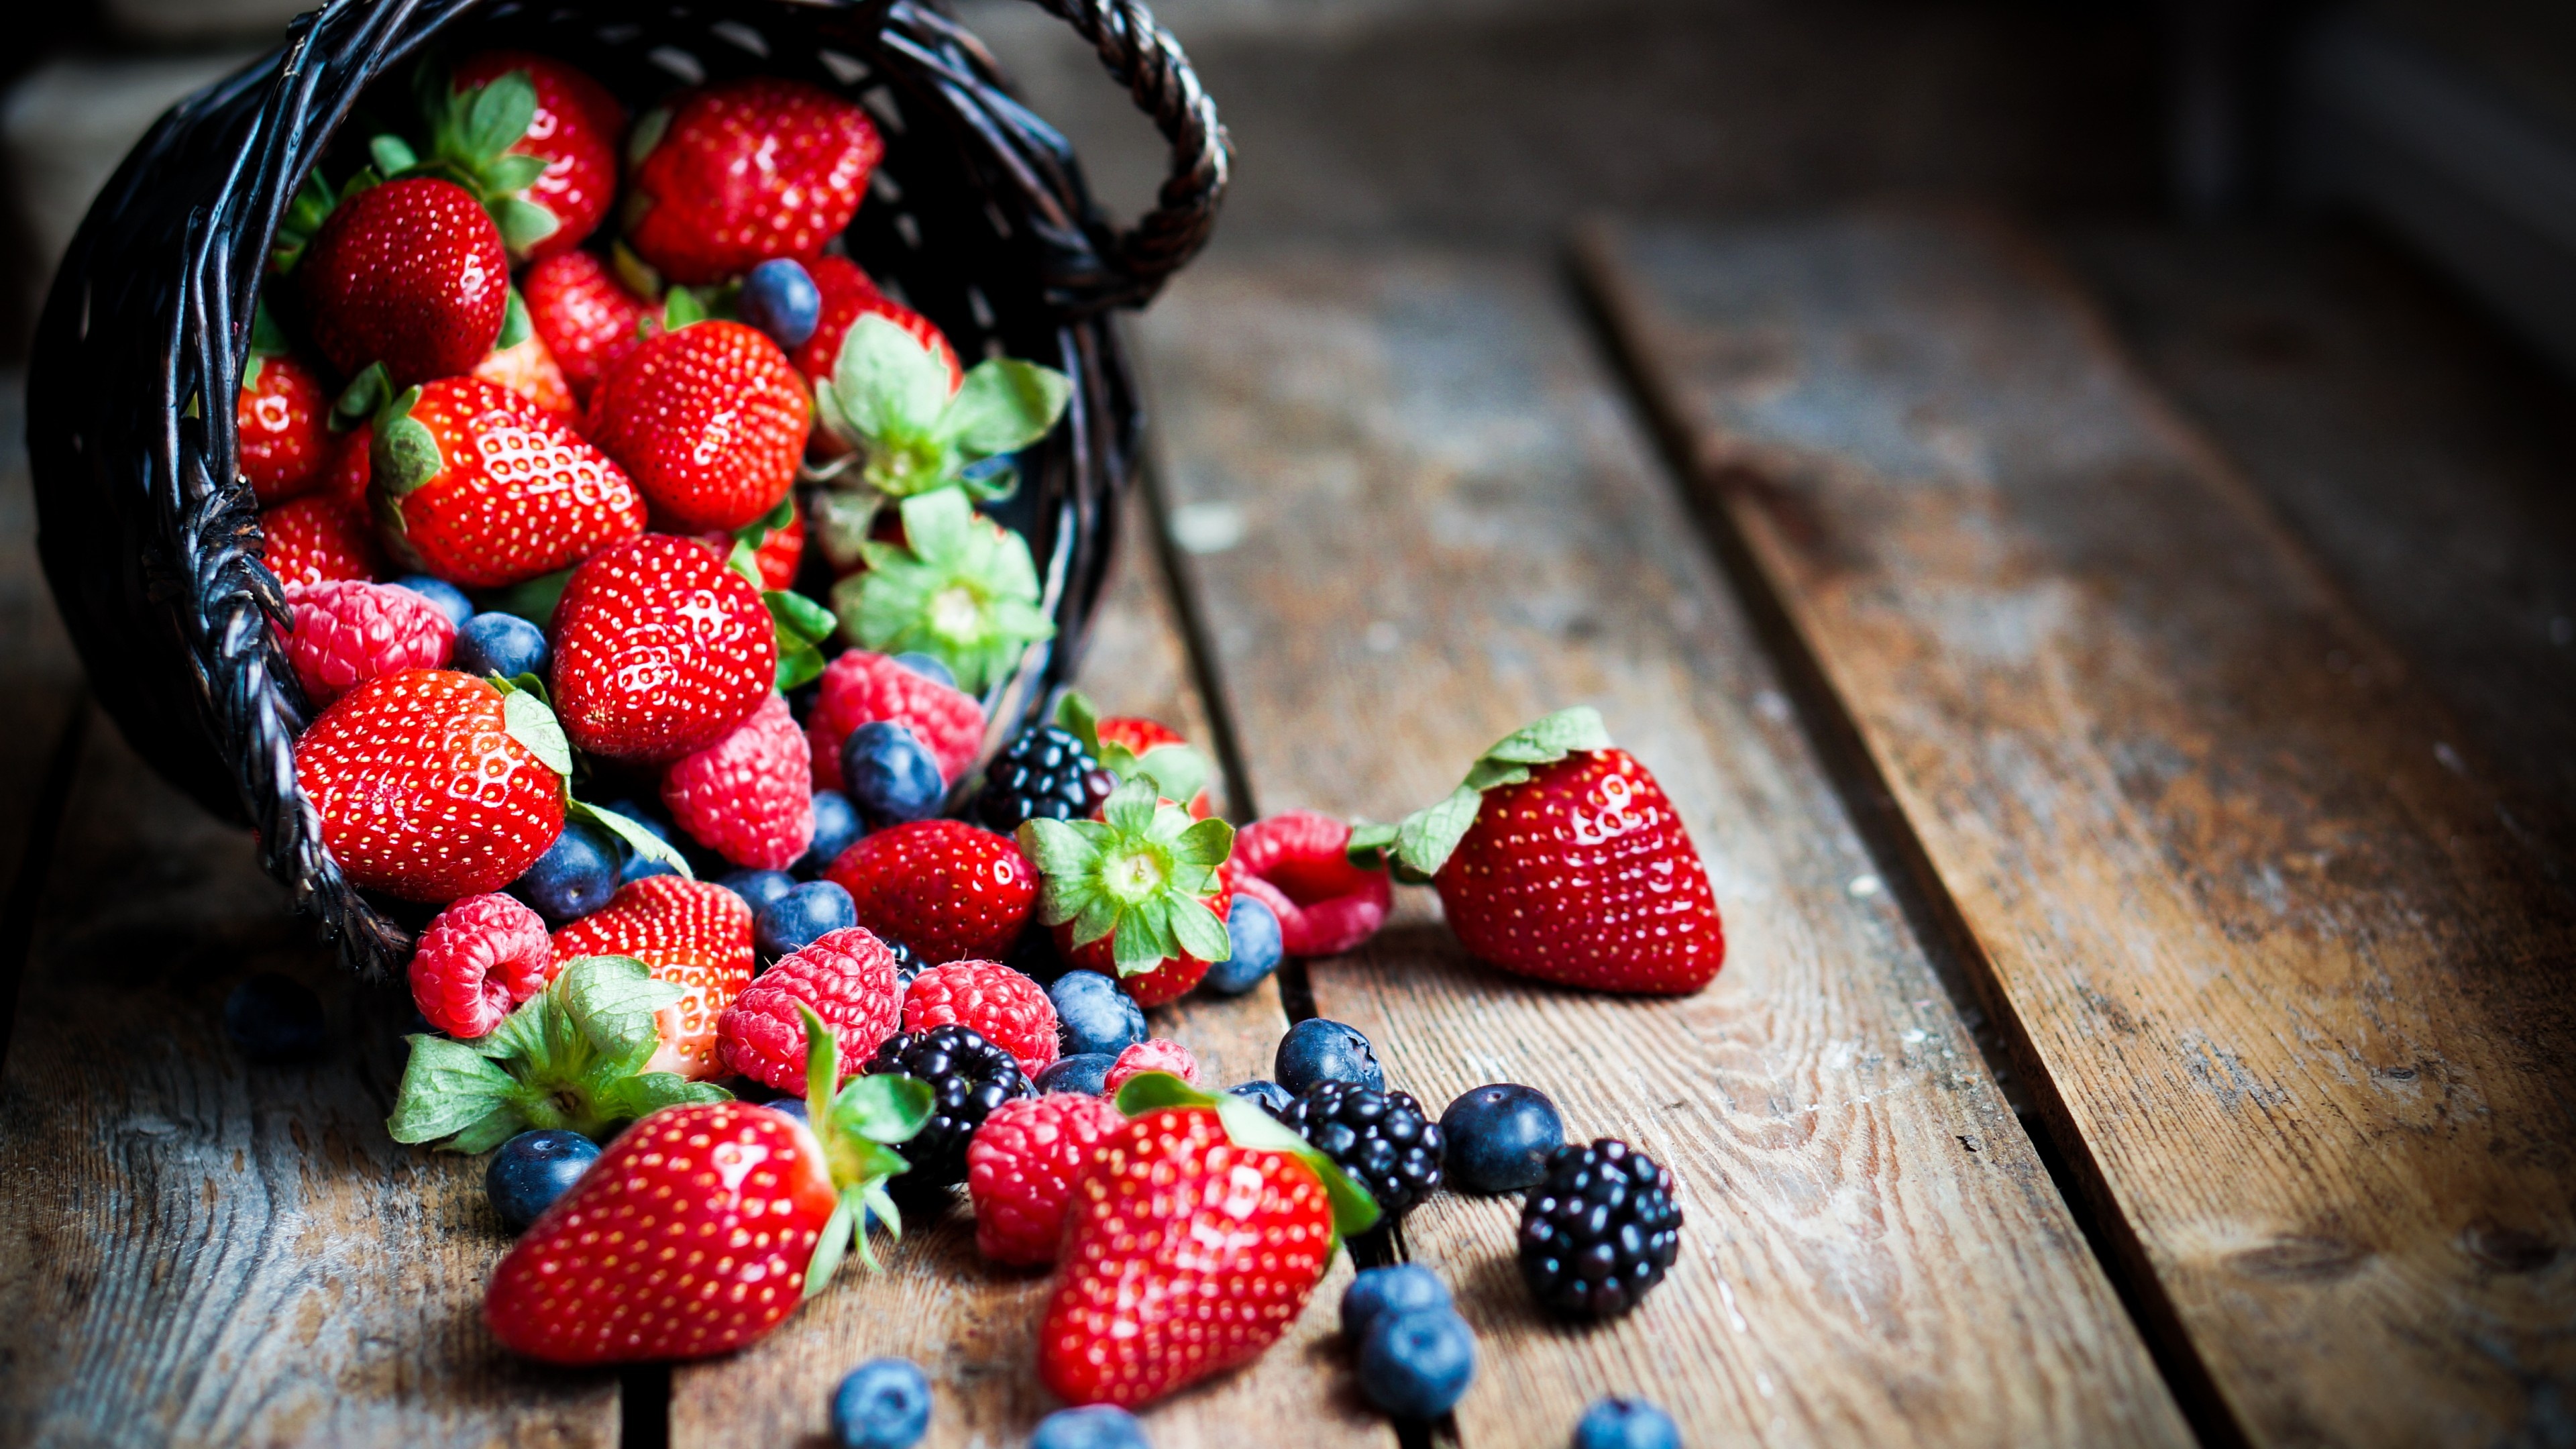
(836, 827)
(758, 888)
(793, 921)
(576, 875)
(446, 597)
(1095, 1014)
(1499, 1137)
(1085, 1072)
(1403, 1288)
(780, 298)
(885, 1402)
(1269, 1094)
(1316, 1050)
(533, 1169)
(1097, 1426)
(792, 1106)
(928, 667)
(273, 1018)
(1254, 929)
(1417, 1364)
(889, 774)
(502, 644)
(1616, 1423)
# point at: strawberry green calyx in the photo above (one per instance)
(1177, 772)
(1247, 1125)
(960, 588)
(311, 206)
(802, 627)
(888, 397)
(470, 135)
(858, 1124)
(267, 339)
(1139, 876)
(1419, 844)
(631, 834)
(571, 1057)
(528, 717)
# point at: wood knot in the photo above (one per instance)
(2299, 1258)
(2508, 1250)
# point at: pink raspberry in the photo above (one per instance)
(847, 977)
(348, 631)
(1154, 1054)
(861, 688)
(1021, 1167)
(481, 957)
(1010, 1009)
(1325, 904)
(746, 796)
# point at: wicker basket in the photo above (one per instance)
(151, 540)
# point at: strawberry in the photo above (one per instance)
(1021, 1167)
(1154, 1054)
(692, 934)
(946, 889)
(848, 295)
(776, 541)
(1139, 894)
(847, 977)
(1326, 904)
(710, 419)
(316, 538)
(1560, 858)
(748, 797)
(705, 1224)
(409, 273)
(348, 631)
(730, 175)
(433, 785)
(861, 687)
(1142, 738)
(1009, 1009)
(350, 467)
(509, 108)
(1190, 1245)
(525, 367)
(482, 957)
(281, 423)
(477, 485)
(587, 318)
(659, 650)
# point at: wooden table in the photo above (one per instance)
(2148, 1012)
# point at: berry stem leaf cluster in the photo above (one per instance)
(314, 201)
(960, 588)
(1419, 844)
(570, 1057)
(1137, 876)
(803, 625)
(1177, 772)
(889, 396)
(633, 835)
(1354, 1211)
(858, 1124)
(471, 132)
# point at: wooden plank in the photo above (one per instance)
(973, 1327)
(1445, 526)
(198, 1250)
(2297, 990)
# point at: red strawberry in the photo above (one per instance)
(429, 788)
(316, 538)
(948, 890)
(348, 631)
(847, 977)
(1572, 868)
(410, 274)
(477, 485)
(860, 688)
(1141, 738)
(480, 958)
(848, 295)
(693, 934)
(1140, 894)
(1184, 1255)
(1154, 1054)
(528, 369)
(748, 796)
(659, 650)
(350, 467)
(585, 316)
(573, 129)
(1020, 1170)
(709, 419)
(1326, 905)
(780, 549)
(280, 421)
(733, 174)
(1011, 1010)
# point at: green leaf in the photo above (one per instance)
(962, 589)
(834, 1243)
(405, 452)
(1004, 405)
(1129, 810)
(1369, 844)
(680, 307)
(886, 1108)
(523, 223)
(392, 154)
(1060, 847)
(502, 111)
(1425, 838)
(638, 839)
(527, 720)
(305, 212)
(822, 1064)
(1075, 713)
(614, 999)
(1206, 843)
(505, 176)
(649, 1092)
(1178, 772)
(798, 665)
(366, 396)
(1200, 933)
(447, 1086)
(889, 385)
(634, 271)
(267, 339)
(799, 616)
(647, 134)
(515, 326)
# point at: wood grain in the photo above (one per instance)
(2297, 989)
(1448, 526)
(973, 1327)
(197, 1250)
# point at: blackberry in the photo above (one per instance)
(1599, 1231)
(1045, 774)
(1384, 1140)
(968, 1078)
(907, 962)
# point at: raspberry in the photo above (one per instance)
(316, 537)
(481, 957)
(861, 688)
(746, 796)
(847, 977)
(1020, 1170)
(348, 631)
(1154, 1054)
(1325, 904)
(1011, 1010)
